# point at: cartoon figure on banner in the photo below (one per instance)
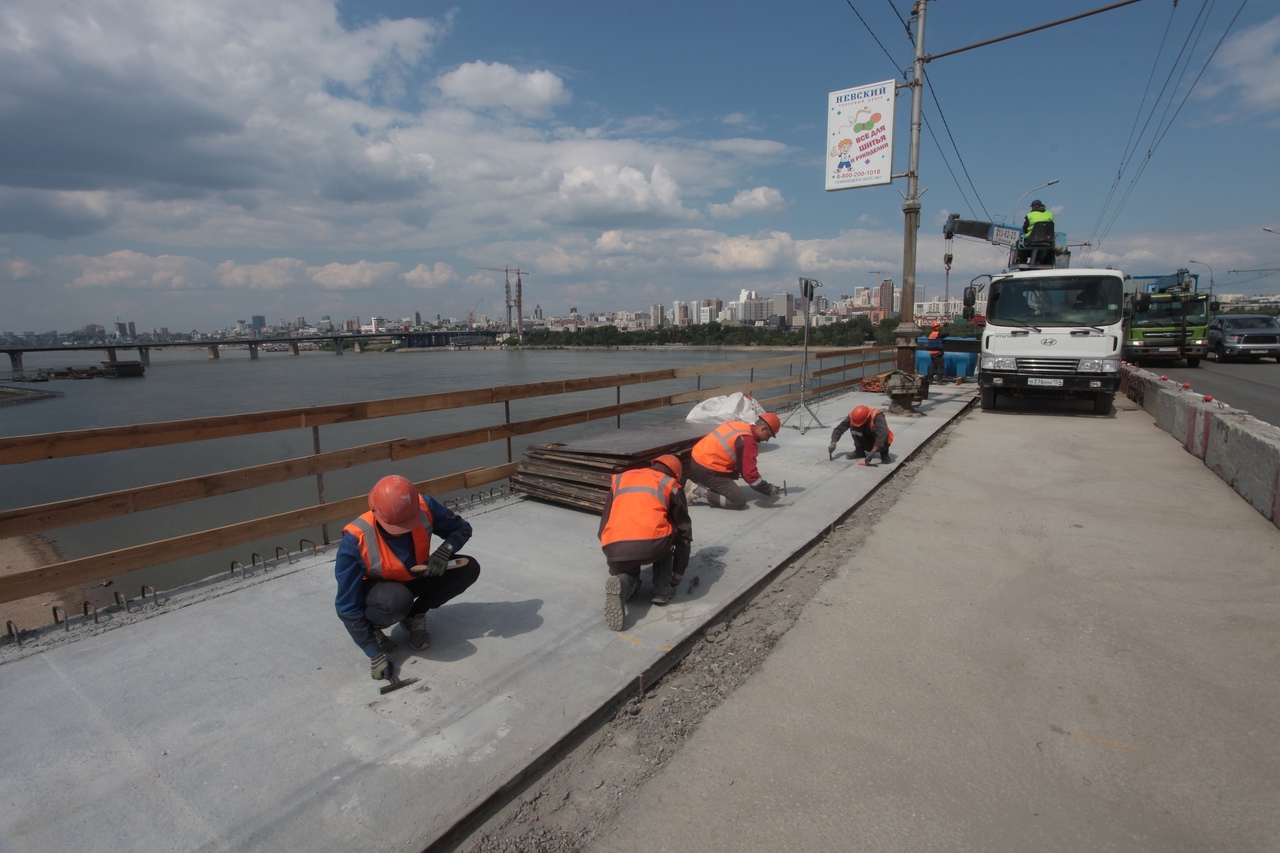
(844, 151)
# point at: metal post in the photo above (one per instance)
(907, 331)
(315, 447)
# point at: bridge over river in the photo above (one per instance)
(340, 342)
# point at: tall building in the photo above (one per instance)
(709, 310)
(784, 306)
(885, 300)
(258, 322)
(657, 316)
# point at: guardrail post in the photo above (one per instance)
(14, 631)
(315, 446)
(506, 407)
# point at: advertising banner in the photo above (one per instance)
(860, 136)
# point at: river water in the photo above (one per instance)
(185, 383)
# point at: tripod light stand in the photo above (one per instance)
(807, 286)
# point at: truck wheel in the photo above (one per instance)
(1102, 403)
(987, 398)
(1222, 354)
(1193, 362)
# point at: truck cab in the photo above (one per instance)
(1050, 333)
(1167, 319)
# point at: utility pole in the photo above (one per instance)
(907, 330)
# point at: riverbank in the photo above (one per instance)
(23, 553)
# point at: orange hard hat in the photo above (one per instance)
(859, 415)
(772, 420)
(937, 325)
(394, 502)
(671, 463)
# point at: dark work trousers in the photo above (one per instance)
(862, 446)
(662, 558)
(935, 361)
(722, 489)
(388, 602)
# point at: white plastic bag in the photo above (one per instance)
(734, 407)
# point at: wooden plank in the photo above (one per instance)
(59, 576)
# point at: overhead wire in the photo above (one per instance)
(1164, 126)
(941, 151)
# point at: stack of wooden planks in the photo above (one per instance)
(578, 473)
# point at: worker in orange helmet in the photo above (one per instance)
(727, 453)
(936, 369)
(871, 434)
(387, 571)
(645, 522)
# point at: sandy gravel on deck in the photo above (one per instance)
(20, 554)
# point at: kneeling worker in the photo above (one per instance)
(724, 455)
(387, 572)
(645, 521)
(871, 434)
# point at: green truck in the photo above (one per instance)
(1166, 318)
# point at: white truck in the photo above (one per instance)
(1050, 332)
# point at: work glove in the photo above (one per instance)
(772, 491)
(831, 448)
(380, 667)
(439, 560)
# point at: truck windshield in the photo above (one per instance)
(1066, 300)
(1168, 312)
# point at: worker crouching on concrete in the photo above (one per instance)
(871, 434)
(726, 454)
(387, 571)
(645, 521)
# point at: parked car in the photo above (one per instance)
(1251, 336)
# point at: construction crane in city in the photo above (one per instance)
(518, 302)
(471, 315)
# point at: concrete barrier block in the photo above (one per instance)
(1245, 453)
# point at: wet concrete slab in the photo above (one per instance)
(239, 715)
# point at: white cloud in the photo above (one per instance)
(430, 277)
(489, 85)
(275, 274)
(358, 276)
(1249, 63)
(749, 203)
(128, 270)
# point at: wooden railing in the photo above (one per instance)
(836, 370)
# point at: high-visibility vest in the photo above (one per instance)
(933, 336)
(1036, 216)
(869, 425)
(380, 561)
(641, 503)
(715, 452)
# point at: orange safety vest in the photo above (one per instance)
(381, 562)
(870, 424)
(641, 501)
(933, 336)
(715, 452)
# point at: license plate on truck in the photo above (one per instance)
(1044, 383)
(1168, 349)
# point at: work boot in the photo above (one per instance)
(617, 589)
(664, 585)
(416, 625)
(386, 645)
(693, 493)
(859, 454)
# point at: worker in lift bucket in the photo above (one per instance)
(388, 572)
(727, 453)
(645, 522)
(871, 435)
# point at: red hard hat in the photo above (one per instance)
(772, 420)
(671, 463)
(859, 415)
(394, 502)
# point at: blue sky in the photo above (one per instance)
(188, 164)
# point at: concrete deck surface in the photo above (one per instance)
(240, 716)
(1064, 635)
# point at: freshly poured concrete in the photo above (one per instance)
(247, 720)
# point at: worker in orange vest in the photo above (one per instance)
(387, 571)
(871, 434)
(645, 522)
(936, 370)
(727, 453)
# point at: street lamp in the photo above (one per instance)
(1012, 216)
(1203, 264)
